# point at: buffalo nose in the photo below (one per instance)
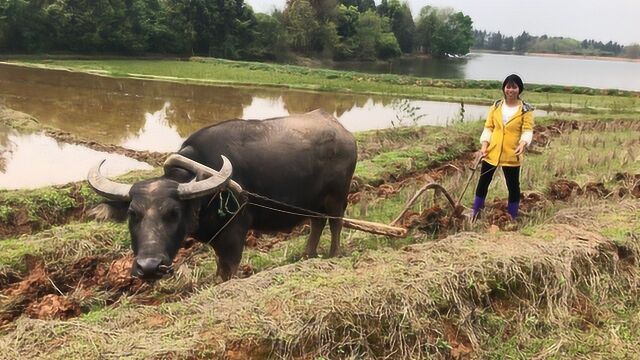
(146, 267)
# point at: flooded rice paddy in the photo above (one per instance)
(158, 116)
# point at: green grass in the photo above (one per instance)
(594, 156)
(65, 244)
(225, 72)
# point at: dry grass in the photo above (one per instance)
(428, 300)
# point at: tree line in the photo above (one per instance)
(338, 29)
(331, 29)
(555, 45)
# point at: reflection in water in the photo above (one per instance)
(159, 135)
(264, 108)
(34, 160)
(406, 113)
(156, 134)
(416, 66)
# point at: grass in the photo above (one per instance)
(62, 245)
(225, 72)
(37, 209)
(497, 296)
(589, 156)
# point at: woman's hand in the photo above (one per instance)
(521, 148)
(482, 153)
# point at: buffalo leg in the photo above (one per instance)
(317, 225)
(336, 228)
(229, 247)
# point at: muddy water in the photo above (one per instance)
(158, 116)
(34, 160)
(153, 115)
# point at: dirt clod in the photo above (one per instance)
(53, 307)
(563, 189)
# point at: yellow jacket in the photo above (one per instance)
(506, 137)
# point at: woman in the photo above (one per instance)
(507, 133)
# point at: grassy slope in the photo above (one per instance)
(563, 291)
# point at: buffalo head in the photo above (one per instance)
(161, 212)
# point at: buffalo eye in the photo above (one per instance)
(134, 216)
(171, 215)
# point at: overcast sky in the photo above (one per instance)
(615, 20)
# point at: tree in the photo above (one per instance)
(442, 32)
(301, 24)
(507, 43)
(222, 28)
(325, 9)
(632, 51)
(521, 42)
(270, 40)
(495, 41)
(361, 5)
(401, 20)
(458, 34)
(23, 26)
(429, 21)
(374, 38)
(479, 39)
(346, 22)
(325, 39)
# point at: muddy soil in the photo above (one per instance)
(61, 292)
(151, 157)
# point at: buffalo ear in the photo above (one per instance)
(110, 210)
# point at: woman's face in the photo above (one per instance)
(511, 91)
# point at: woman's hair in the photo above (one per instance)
(515, 79)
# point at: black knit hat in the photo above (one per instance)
(513, 78)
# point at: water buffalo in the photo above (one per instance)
(306, 161)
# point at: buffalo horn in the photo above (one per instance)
(213, 183)
(200, 169)
(105, 187)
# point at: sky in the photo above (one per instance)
(615, 20)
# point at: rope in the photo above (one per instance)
(227, 223)
(221, 212)
(304, 212)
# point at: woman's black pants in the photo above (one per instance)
(511, 175)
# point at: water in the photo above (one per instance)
(600, 74)
(35, 160)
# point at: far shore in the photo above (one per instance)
(568, 56)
